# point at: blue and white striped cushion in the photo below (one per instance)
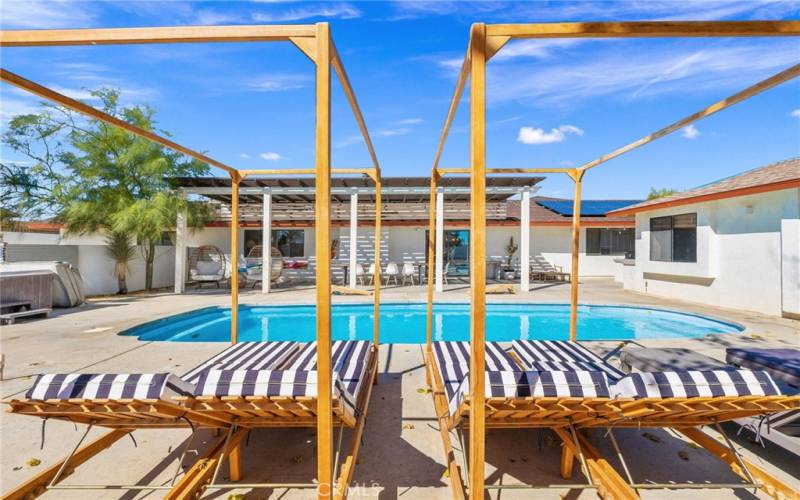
(538, 384)
(452, 359)
(306, 358)
(692, 384)
(245, 356)
(113, 386)
(350, 357)
(562, 355)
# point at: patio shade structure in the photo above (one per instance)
(316, 43)
(484, 42)
(404, 199)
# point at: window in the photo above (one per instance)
(456, 251)
(674, 238)
(291, 242)
(609, 241)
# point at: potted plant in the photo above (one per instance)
(511, 248)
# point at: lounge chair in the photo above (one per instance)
(679, 399)
(541, 269)
(126, 402)
(518, 398)
(783, 365)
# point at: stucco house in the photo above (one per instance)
(732, 243)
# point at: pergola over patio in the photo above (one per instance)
(264, 201)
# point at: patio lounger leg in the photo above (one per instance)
(38, 484)
(198, 475)
(235, 463)
(771, 485)
(567, 461)
(609, 483)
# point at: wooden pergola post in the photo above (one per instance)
(377, 291)
(477, 413)
(439, 239)
(576, 246)
(234, 280)
(323, 257)
(431, 252)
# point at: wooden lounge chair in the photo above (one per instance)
(541, 269)
(680, 400)
(128, 402)
(287, 397)
(520, 398)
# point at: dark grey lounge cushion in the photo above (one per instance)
(782, 364)
(668, 359)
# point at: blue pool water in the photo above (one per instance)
(405, 323)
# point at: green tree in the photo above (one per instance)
(96, 177)
(122, 251)
(660, 193)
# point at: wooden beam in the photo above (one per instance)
(37, 485)
(168, 34)
(783, 76)
(576, 244)
(338, 67)
(494, 44)
(197, 476)
(234, 280)
(302, 171)
(75, 105)
(771, 485)
(323, 241)
(646, 29)
(463, 75)
(376, 338)
(431, 263)
(477, 414)
(307, 45)
(507, 170)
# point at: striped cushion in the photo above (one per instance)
(245, 356)
(452, 358)
(539, 384)
(690, 384)
(350, 362)
(306, 358)
(108, 386)
(562, 355)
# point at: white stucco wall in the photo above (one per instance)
(746, 254)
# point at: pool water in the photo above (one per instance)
(406, 323)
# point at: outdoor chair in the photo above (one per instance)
(408, 272)
(392, 272)
(248, 385)
(255, 262)
(360, 275)
(541, 269)
(682, 400)
(371, 273)
(207, 264)
(782, 429)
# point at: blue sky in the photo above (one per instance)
(551, 102)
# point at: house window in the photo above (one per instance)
(674, 238)
(610, 241)
(291, 242)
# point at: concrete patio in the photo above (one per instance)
(402, 452)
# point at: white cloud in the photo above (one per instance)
(14, 107)
(542, 48)
(632, 70)
(271, 156)
(330, 11)
(796, 113)
(390, 132)
(46, 14)
(409, 121)
(532, 135)
(244, 156)
(348, 141)
(690, 132)
(276, 83)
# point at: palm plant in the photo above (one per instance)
(122, 251)
(510, 249)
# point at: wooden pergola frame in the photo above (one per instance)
(484, 42)
(316, 43)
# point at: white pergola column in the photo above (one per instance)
(180, 252)
(525, 241)
(266, 242)
(353, 237)
(439, 267)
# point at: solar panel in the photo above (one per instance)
(589, 208)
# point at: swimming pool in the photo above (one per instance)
(405, 323)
